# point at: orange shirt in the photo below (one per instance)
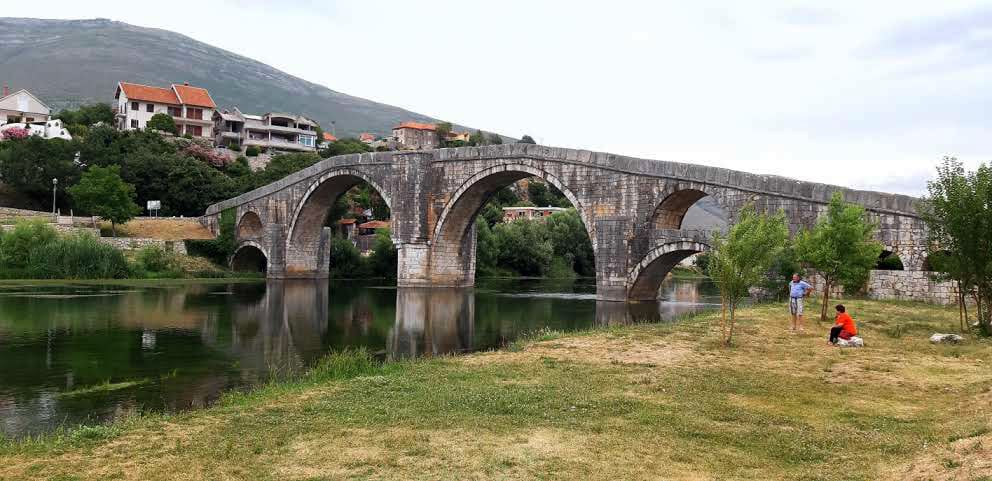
(844, 319)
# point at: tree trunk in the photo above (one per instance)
(962, 309)
(826, 299)
(723, 319)
(113, 228)
(730, 331)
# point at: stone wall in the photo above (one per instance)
(132, 243)
(910, 286)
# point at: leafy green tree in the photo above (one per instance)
(570, 241)
(543, 194)
(742, 257)
(495, 139)
(526, 139)
(384, 256)
(344, 146)
(477, 138)
(442, 129)
(222, 247)
(842, 247)
(524, 247)
(87, 115)
(486, 250)
(346, 262)
(29, 165)
(102, 192)
(958, 215)
(163, 123)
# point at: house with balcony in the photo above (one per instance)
(192, 108)
(511, 214)
(271, 132)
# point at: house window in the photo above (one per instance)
(134, 123)
(29, 120)
(196, 114)
(175, 111)
(149, 108)
(194, 130)
(134, 105)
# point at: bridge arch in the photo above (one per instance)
(250, 225)
(453, 245)
(311, 211)
(646, 277)
(250, 256)
(670, 213)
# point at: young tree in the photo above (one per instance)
(495, 139)
(958, 215)
(842, 247)
(162, 122)
(526, 139)
(442, 129)
(477, 138)
(741, 258)
(102, 192)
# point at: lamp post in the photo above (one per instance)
(55, 186)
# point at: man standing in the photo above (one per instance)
(798, 289)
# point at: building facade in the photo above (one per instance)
(22, 107)
(272, 131)
(192, 108)
(416, 136)
(511, 214)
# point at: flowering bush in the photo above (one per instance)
(16, 133)
(207, 154)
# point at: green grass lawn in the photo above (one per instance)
(663, 401)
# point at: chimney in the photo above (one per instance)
(186, 84)
(6, 90)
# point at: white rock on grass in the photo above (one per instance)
(854, 341)
(946, 338)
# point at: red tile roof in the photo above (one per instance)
(195, 96)
(330, 138)
(375, 224)
(415, 125)
(346, 221)
(174, 95)
(148, 94)
(366, 136)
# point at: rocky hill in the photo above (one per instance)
(69, 62)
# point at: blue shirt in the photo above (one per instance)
(798, 289)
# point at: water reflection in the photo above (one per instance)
(85, 353)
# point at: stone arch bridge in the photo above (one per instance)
(632, 209)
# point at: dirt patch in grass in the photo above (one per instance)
(594, 349)
(964, 459)
(164, 229)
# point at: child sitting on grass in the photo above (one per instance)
(844, 327)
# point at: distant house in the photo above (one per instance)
(416, 135)
(457, 137)
(272, 131)
(191, 107)
(22, 107)
(511, 214)
(325, 142)
(366, 137)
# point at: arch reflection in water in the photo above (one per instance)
(431, 322)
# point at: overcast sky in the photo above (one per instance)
(864, 94)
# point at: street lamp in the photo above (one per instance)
(55, 186)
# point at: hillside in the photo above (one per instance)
(68, 62)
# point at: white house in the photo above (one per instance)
(22, 107)
(191, 107)
(51, 129)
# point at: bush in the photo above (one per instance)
(252, 151)
(156, 259)
(79, 256)
(384, 256)
(16, 245)
(220, 249)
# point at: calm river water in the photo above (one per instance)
(72, 354)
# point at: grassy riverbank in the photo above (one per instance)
(640, 402)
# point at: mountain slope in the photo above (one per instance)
(68, 62)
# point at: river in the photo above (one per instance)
(88, 353)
